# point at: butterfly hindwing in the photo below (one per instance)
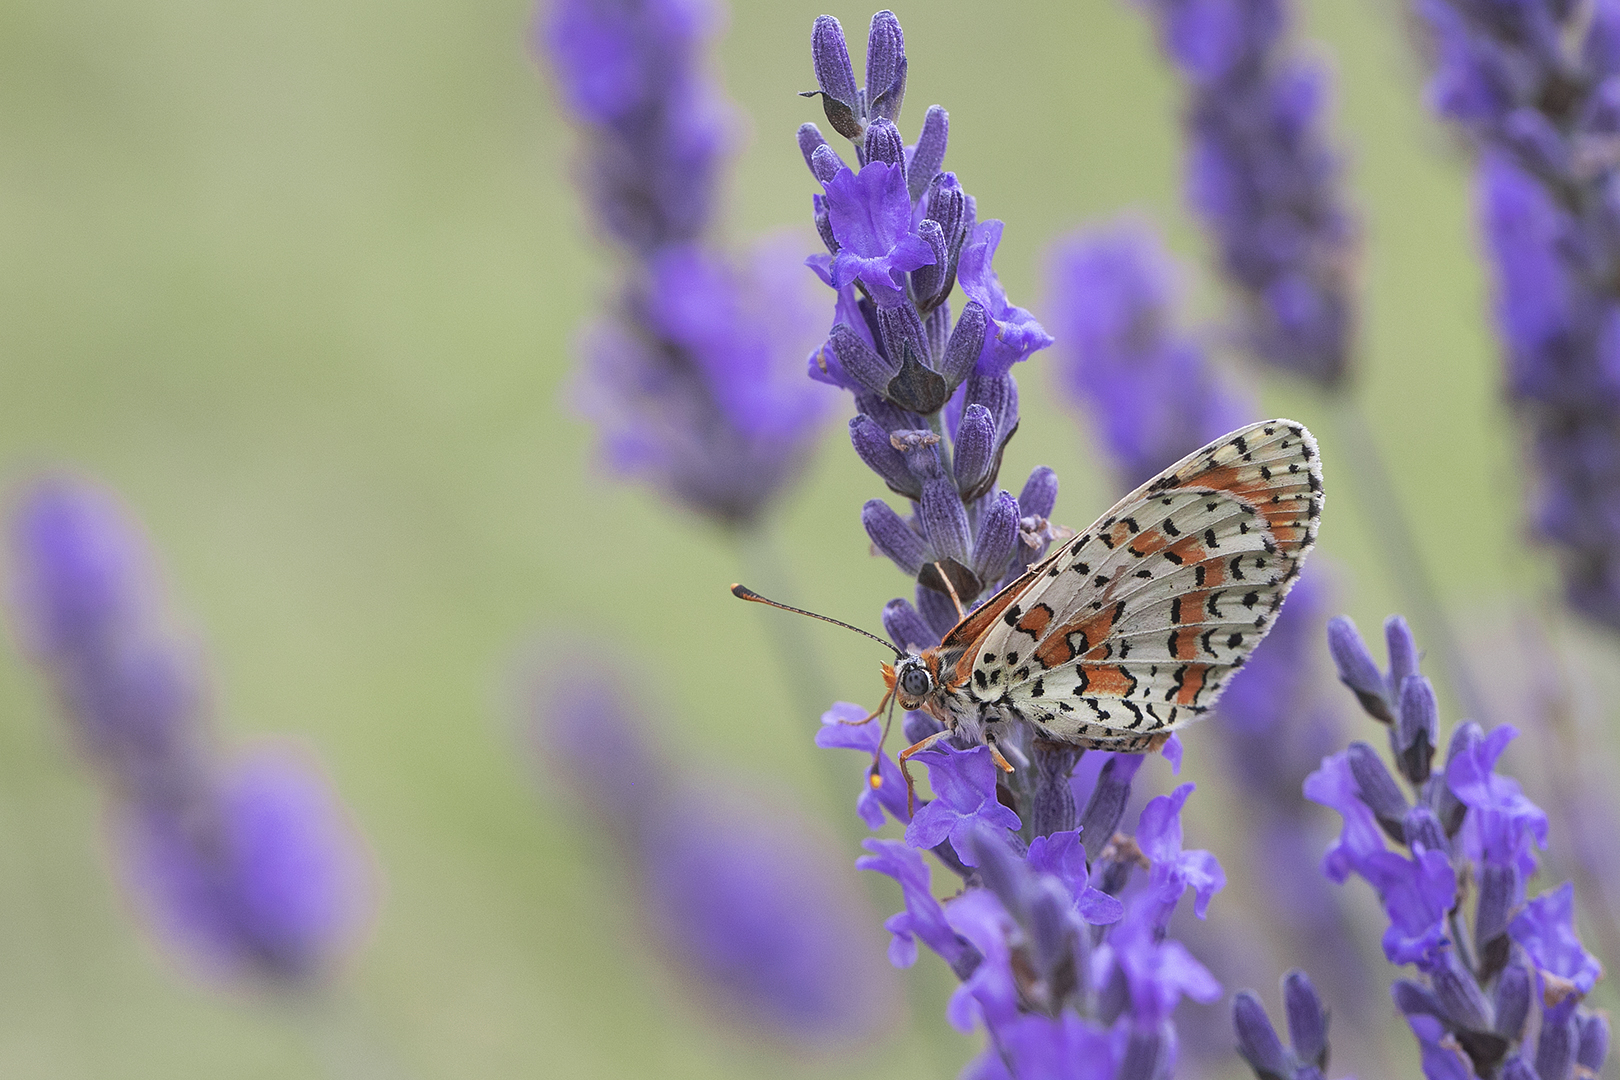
(1132, 627)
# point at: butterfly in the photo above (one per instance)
(1130, 629)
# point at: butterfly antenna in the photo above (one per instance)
(743, 592)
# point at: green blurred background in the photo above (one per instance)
(301, 280)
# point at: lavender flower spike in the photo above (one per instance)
(1262, 176)
(900, 234)
(1468, 833)
(1535, 89)
(693, 377)
(743, 896)
(1307, 1029)
(249, 866)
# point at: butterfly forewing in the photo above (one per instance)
(1133, 627)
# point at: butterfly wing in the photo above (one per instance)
(1132, 627)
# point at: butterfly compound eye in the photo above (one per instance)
(915, 682)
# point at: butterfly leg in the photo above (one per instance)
(873, 715)
(995, 752)
(916, 748)
(961, 612)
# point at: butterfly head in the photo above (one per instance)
(914, 680)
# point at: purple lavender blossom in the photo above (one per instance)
(1261, 174)
(1065, 965)
(1150, 391)
(274, 884)
(251, 868)
(937, 401)
(692, 379)
(1535, 86)
(1307, 1056)
(741, 896)
(1464, 832)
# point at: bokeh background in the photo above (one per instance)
(302, 281)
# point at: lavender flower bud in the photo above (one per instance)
(810, 139)
(1555, 1049)
(1417, 728)
(1378, 789)
(975, 448)
(1513, 988)
(906, 628)
(1415, 1000)
(926, 279)
(1051, 930)
(999, 394)
(873, 445)
(860, 361)
(1357, 669)
(1147, 1055)
(945, 523)
(936, 609)
(1106, 807)
(967, 341)
(1403, 653)
(836, 77)
(893, 537)
(1516, 1069)
(916, 386)
(1499, 890)
(1307, 1019)
(998, 538)
(885, 67)
(1594, 1045)
(929, 155)
(1447, 807)
(823, 220)
(883, 143)
(1257, 1039)
(1052, 809)
(1459, 995)
(1039, 497)
(1422, 830)
(947, 204)
(824, 165)
(1003, 871)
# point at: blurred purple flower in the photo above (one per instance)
(1546, 929)
(250, 867)
(1150, 391)
(1536, 87)
(693, 379)
(275, 884)
(741, 894)
(1264, 178)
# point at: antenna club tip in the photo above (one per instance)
(875, 780)
(741, 592)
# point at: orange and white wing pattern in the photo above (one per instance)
(1131, 628)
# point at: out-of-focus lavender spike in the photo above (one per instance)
(1307, 1019)
(1264, 178)
(1148, 390)
(249, 867)
(742, 896)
